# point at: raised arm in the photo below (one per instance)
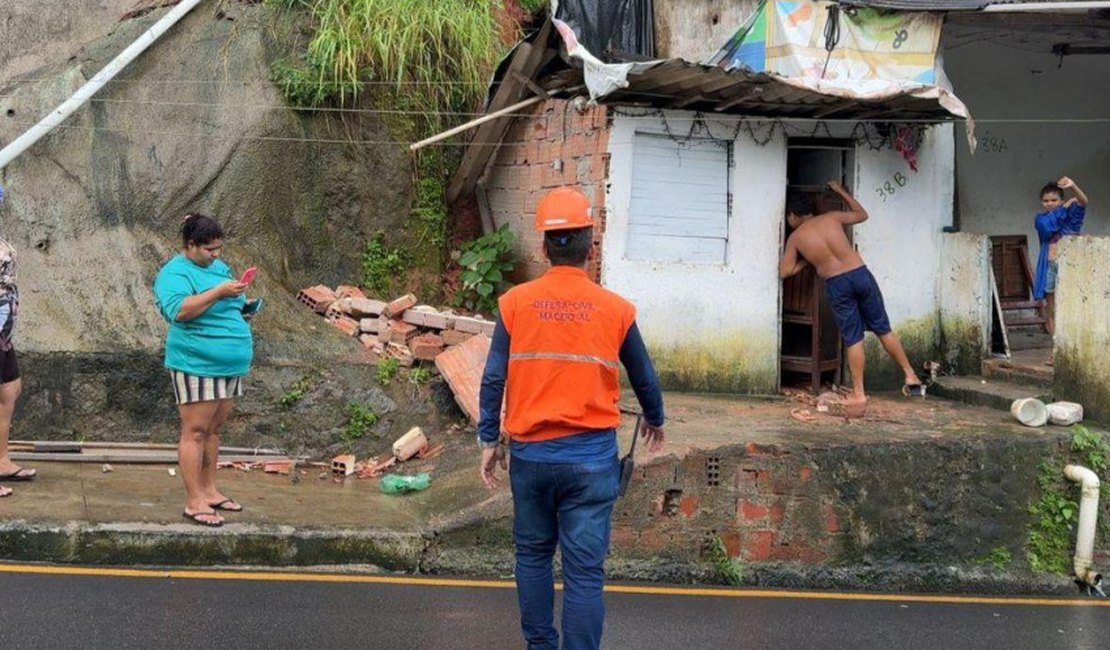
(855, 214)
(1068, 184)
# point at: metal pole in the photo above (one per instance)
(69, 106)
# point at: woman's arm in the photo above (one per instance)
(194, 306)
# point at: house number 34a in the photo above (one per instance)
(890, 187)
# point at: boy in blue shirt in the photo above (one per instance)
(1058, 219)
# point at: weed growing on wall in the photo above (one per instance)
(999, 557)
(1057, 511)
(359, 421)
(295, 393)
(485, 262)
(727, 569)
(386, 371)
(381, 265)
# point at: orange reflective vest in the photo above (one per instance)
(565, 336)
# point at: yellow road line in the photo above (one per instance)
(722, 592)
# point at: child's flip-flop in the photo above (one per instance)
(230, 505)
(196, 518)
(913, 390)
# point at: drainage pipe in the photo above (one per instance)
(1088, 514)
(69, 106)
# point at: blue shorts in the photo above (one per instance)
(857, 305)
(1050, 277)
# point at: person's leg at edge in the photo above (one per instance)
(196, 420)
(211, 457)
(9, 393)
(535, 534)
(856, 358)
(1050, 325)
(894, 348)
(585, 512)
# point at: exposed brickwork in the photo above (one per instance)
(553, 146)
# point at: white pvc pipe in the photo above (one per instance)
(69, 106)
(1045, 7)
(1088, 517)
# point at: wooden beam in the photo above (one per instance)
(683, 103)
(744, 96)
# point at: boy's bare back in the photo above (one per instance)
(822, 242)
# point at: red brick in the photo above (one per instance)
(623, 537)
(400, 332)
(426, 347)
(757, 545)
(688, 505)
(364, 307)
(756, 449)
(473, 325)
(349, 326)
(777, 513)
(805, 473)
(731, 540)
(832, 522)
(462, 366)
(317, 298)
(401, 353)
(399, 305)
(751, 474)
(372, 325)
(454, 337)
(348, 291)
(750, 510)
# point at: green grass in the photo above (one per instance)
(441, 52)
(387, 369)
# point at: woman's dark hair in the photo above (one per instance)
(1052, 188)
(568, 247)
(200, 229)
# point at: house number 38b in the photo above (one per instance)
(888, 188)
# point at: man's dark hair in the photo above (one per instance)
(568, 247)
(800, 203)
(200, 229)
(1052, 188)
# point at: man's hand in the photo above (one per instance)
(1065, 182)
(653, 436)
(491, 458)
(837, 187)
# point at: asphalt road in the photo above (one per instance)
(185, 609)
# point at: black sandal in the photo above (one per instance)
(196, 519)
(21, 474)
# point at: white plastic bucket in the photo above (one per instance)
(1065, 413)
(1030, 411)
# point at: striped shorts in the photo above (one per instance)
(188, 389)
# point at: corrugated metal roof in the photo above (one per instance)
(936, 5)
(680, 84)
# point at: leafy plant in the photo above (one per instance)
(1050, 535)
(484, 262)
(295, 393)
(1092, 446)
(387, 370)
(999, 557)
(380, 265)
(420, 376)
(729, 570)
(532, 6)
(359, 421)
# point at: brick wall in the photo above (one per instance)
(552, 146)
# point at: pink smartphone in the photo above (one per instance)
(248, 275)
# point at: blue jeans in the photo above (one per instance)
(570, 505)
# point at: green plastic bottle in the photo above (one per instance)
(397, 484)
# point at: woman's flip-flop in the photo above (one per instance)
(913, 390)
(196, 518)
(6, 492)
(21, 474)
(230, 505)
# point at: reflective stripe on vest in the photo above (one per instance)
(560, 356)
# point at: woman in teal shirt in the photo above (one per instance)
(208, 353)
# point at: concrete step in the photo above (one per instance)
(991, 393)
(1017, 371)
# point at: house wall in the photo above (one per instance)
(965, 301)
(695, 29)
(1082, 328)
(708, 326)
(998, 185)
(551, 146)
(902, 243)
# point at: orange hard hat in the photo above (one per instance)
(562, 209)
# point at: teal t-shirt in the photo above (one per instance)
(217, 343)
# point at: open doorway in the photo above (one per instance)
(810, 351)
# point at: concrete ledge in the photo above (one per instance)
(189, 545)
(991, 393)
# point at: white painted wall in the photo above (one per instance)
(966, 301)
(687, 303)
(901, 241)
(998, 77)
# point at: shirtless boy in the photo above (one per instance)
(853, 294)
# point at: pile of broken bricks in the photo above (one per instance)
(413, 444)
(400, 329)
